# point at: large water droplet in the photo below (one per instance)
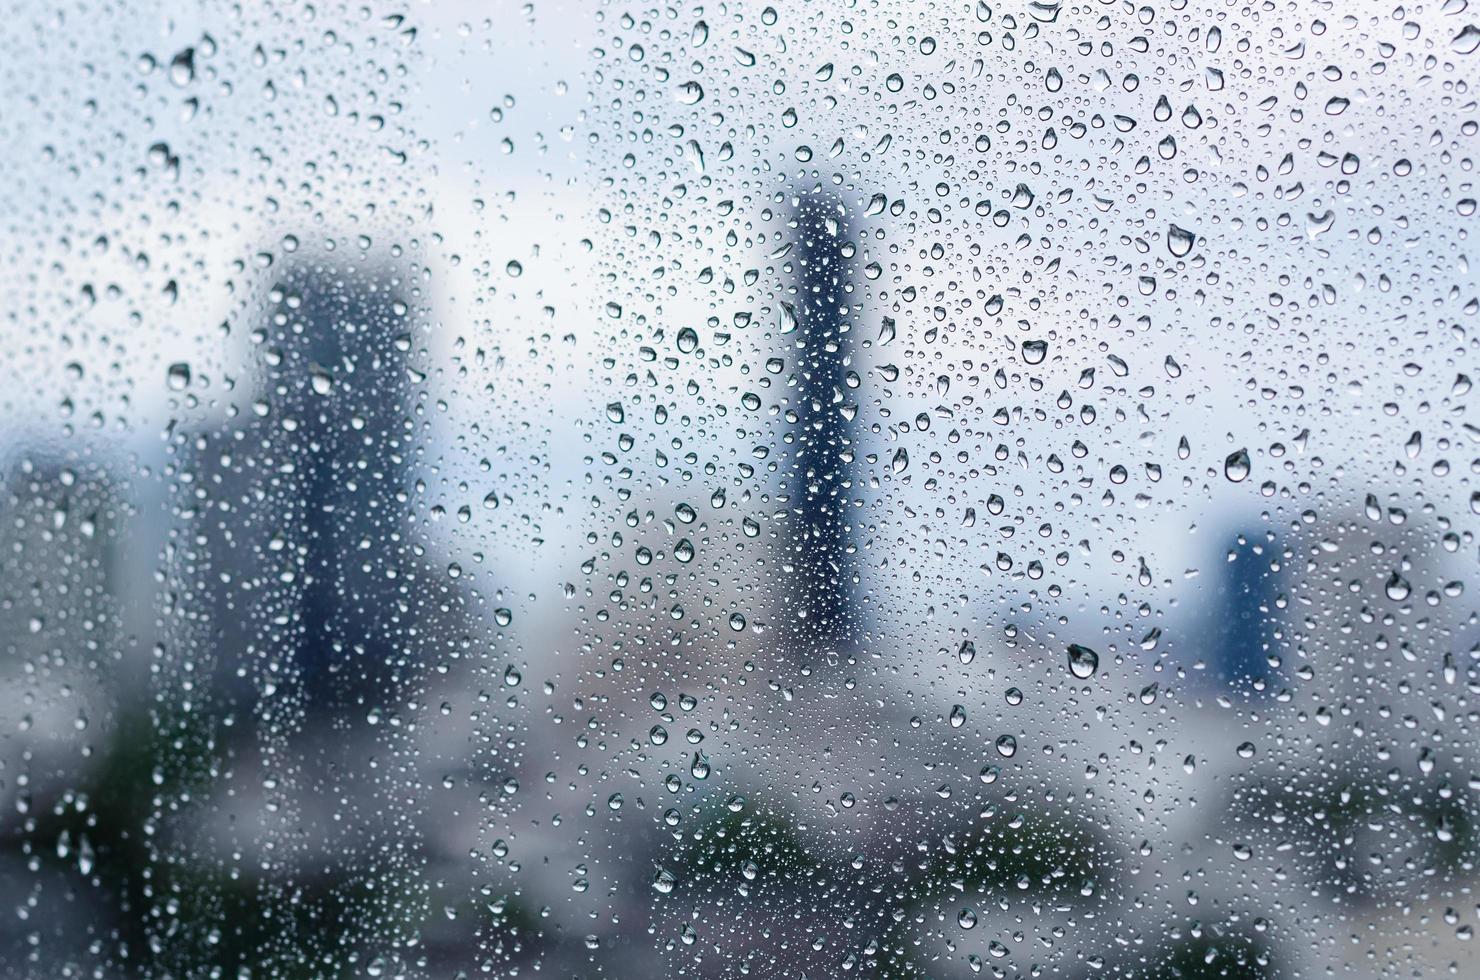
(1179, 240)
(1236, 466)
(1083, 662)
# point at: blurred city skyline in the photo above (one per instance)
(741, 490)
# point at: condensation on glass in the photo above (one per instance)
(880, 489)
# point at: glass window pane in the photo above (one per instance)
(766, 489)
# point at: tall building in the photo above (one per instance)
(301, 540)
(821, 451)
(1241, 614)
(316, 613)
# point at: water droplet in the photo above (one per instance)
(178, 376)
(1236, 466)
(320, 380)
(1083, 662)
(182, 68)
(1180, 240)
(787, 318)
(1397, 587)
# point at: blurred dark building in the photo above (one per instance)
(64, 521)
(1241, 615)
(337, 378)
(310, 607)
(295, 537)
(821, 448)
(304, 547)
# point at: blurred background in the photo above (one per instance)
(773, 489)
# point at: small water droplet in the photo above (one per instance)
(320, 379)
(85, 857)
(182, 68)
(1397, 587)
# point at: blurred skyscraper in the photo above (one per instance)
(302, 539)
(1241, 615)
(821, 463)
(316, 612)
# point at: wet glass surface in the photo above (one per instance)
(779, 489)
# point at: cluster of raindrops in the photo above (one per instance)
(789, 489)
